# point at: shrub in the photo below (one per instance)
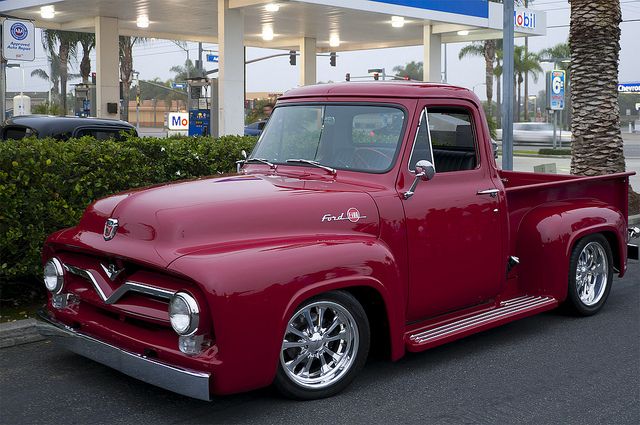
(551, 151)
(46, 184)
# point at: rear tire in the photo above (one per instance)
(590, 275)
(324, 347)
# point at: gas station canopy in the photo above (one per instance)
(307, 26)
(335, 24)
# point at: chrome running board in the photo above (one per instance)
(508, 310)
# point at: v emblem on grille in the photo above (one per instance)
(111, 271)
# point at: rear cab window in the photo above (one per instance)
(15, 132)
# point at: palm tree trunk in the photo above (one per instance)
(64, 75)
(594, 37)
(126, 72)
(489, 58)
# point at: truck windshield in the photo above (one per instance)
(344, 137)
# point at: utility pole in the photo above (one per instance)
(200, 64)
(507, 83)
(3, 87)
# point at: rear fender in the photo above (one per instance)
(547, 235)
(253, 291)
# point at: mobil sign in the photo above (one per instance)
(524, 19)
(178, 121)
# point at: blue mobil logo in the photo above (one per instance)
(19, 31)
(524, 19)
(476, 8)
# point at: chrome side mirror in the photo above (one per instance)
(424, 172)
(241, 162)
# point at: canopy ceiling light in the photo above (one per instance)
(463, 32)
(142, 21)
(47, 12)
(272, 7)
(334, 40)
(267, 33)
(397, 21)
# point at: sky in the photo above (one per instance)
(154, 58)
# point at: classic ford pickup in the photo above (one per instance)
(369, 215)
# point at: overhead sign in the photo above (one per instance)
(629, 87)
(178, 121)
(212, 58)
(555, 89)
(18, 40)
(179, 85)
(476, 8)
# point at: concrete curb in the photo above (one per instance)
(18, 333)
(24, 331)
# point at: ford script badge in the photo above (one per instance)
(110, 229)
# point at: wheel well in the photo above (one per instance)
(612, 239)
(374, 306)
(615, 248)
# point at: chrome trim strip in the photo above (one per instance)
(183, 381)
(88, 276)
(122, 290)
(507, 308)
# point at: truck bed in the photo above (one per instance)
(526, 191)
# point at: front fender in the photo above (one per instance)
(253, 291)
(547, 235)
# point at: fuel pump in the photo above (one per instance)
(199, 103)
(84, 93)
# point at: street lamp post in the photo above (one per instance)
(136, 77)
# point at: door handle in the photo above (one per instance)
(491, 192)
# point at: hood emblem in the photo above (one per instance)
(110, 229)
(111, 271)
(352, 214)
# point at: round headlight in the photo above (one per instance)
(184, 313)
(53, 275)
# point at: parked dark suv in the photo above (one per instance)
(64, 128)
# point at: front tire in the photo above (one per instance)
(325, 345)
(590, 275)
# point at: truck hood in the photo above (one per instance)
(160, 224)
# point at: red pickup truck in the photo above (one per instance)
(368, 215)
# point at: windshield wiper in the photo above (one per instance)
(314, 163)
(262, 161)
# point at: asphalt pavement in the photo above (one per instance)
(547, 369)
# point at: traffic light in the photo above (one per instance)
(347, 77)
(292, 57)
(332, 58)
(376, 76)
(93, 77)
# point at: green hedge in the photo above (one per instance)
(46, 184)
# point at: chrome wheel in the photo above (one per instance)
(592, 273)
(320, 345)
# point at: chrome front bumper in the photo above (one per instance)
(182, 381)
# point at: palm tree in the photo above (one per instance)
(487, 50)
(126, 69)
(594, 37)
(412, 70)
(65, 42)
(87, 42)
(52, 76)
(524, 63)
(183, 72)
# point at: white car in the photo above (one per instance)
(536, 133)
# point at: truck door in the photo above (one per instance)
(453, 222)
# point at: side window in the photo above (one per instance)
(102, 134)
(421, 144)
(453, 140)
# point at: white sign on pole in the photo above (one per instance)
(178, 121)
(18, 40)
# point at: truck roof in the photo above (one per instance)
(395, 88)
